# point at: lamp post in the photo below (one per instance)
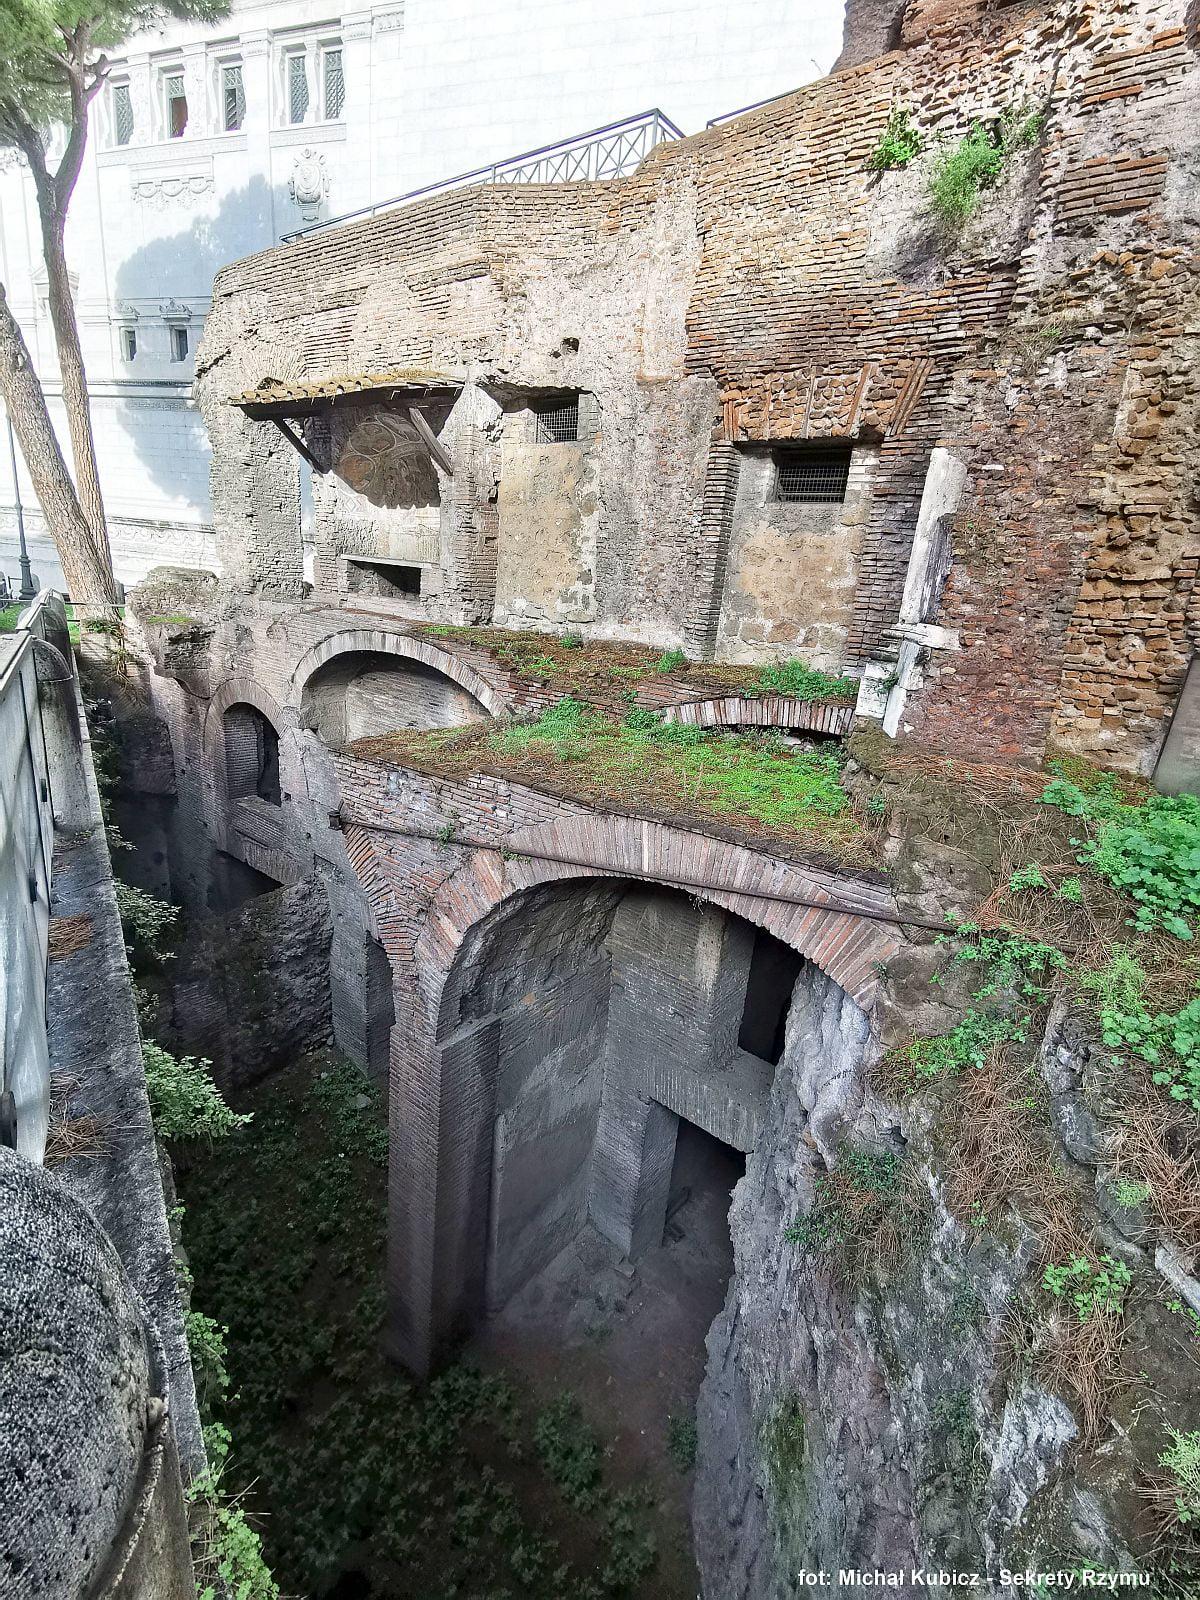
(27, 588)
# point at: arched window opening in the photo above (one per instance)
(251, 755)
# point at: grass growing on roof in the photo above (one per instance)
(685, 766)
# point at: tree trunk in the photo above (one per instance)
(87, 571)
(74, 383)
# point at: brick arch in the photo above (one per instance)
(240, 691)
(378, 642)
(439, 1061)
(763, 711)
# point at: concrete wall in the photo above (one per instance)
(793, 569)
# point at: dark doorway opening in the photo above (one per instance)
(233, 883)
(774, 968)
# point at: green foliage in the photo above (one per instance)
(569, 1451)
(723, 773)
(901, 142)
(1149, 851)
(1130, 1192)
(681, 1442)
(1091, 1286)
(1006, 962)
(206, 1341)
(966, 1045)
(866, 1209)
(1029, 877)
(184, 1101)
(1182, 1461)
(799, 682)
(956, 1435)
(964, 170)
(41, 39)
(227, 1551)
(1169, 1041)
(1070, 890)
(8, 618)
(145, 920)
(671, 661)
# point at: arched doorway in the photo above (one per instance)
(362, 693)
(251, 755)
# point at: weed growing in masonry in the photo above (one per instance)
(900, 144)
(798, 682)
(1168, 1040)
(681, 1442)
(1006, 962)
(206, 1342)
(953, 1420)
(964, 170)
(966, 1045)
(1130, 1193)
(185, 1103)
(1089, 1286)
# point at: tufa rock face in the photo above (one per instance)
(870, 1412)
(871, 28)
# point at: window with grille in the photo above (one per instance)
(297, 87)
(558, 420)
(122, 114)
(233, 97)
(177, 107)
(335, 84)
(815, 477)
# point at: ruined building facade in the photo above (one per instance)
(752, 405)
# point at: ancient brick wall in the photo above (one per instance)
(761, 283)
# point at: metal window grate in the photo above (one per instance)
(812, 477)
(122, 110)
(335, 85)
(235, 98)
(177, 106)
(297, 88)
(558, 421)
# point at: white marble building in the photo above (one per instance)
(210, 143)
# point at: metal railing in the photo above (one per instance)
(608, 152)
(728, 116)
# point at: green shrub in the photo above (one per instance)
(964, 170)
(900, 142)
(681, 1442)
(145, 920)
(569, 1452)
(671, 661)
(1091, 1286)
(184, 1101)
(1169, 1041)
(1182, 1461)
